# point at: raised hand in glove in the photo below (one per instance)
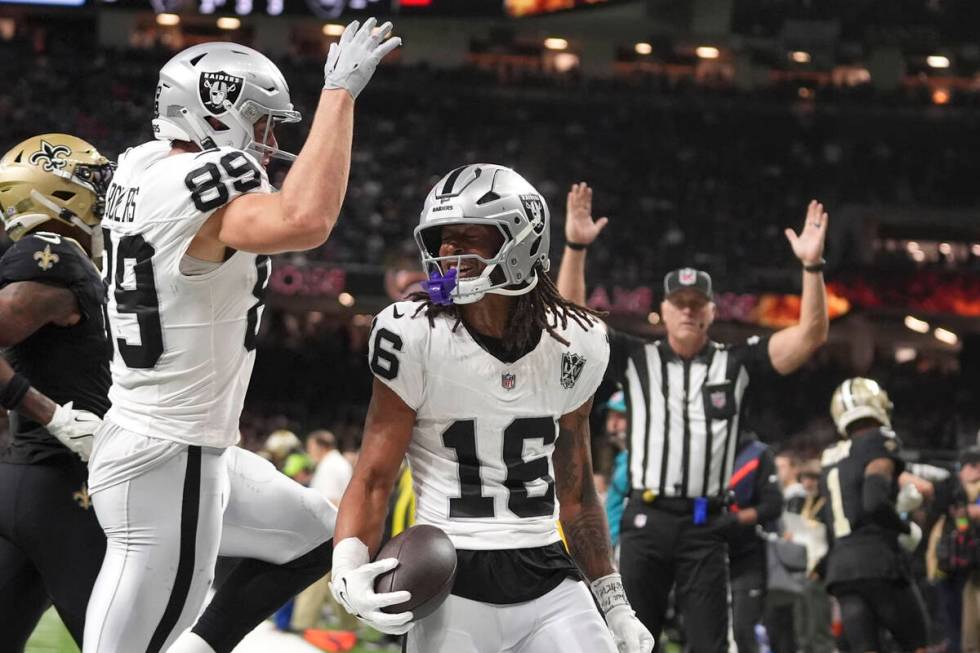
(629, 633)
(352, 61)
(74, 428)
(352, 584)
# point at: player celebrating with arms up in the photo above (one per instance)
(487, 382)
(190, 221)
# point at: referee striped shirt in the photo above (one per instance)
(684, 415)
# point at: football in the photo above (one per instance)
(427, 569)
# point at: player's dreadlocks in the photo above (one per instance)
(542, 309)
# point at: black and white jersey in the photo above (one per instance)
(684, 415)
(64, 363)
(184, 344)
(485, 429)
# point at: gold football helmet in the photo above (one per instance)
(53, 177)
(859, 398)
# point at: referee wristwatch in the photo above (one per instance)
(815, 267)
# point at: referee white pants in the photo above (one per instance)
(565, 619)
(166, 526)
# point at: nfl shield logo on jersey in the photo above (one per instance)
(718, 400)
(507, 381)
(215, 88)
(571, 368)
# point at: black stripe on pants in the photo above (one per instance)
(189, 511)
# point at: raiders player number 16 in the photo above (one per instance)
(486, 382)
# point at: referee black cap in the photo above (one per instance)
(688, 278)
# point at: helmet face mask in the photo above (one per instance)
(488, 195)
(213, 94)
(54, 177)
(860, 398)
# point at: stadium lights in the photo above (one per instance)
(333, 29)
(905, 354)
(228, 22)
(799, 56)
(643, 48)
(937, 61)
(168, 20)
(943, 335)
(707, 52)
(555, 43)
(940, 96)
(917, 325)
(345, 299)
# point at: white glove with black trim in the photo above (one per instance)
(352, 584)
(909, 498)
(910, 541)
(629, 633)
(74, 428)
(352, 61)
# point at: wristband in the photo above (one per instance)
(578, 247)
(12, 393)
(609, 592)
(816, 267)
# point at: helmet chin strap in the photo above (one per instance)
(62, 213)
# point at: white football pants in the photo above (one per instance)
(565, 619)
(167, 525)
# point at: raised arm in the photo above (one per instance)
(580, 232)
(586, 532)
(303, 214)
(792, 346)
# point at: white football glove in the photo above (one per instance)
(629, 633)
(352, 584)
(74, 428)
(909, 498)
(910, 541)
(351, 62)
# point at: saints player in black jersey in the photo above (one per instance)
(53, 382)
(867, 570)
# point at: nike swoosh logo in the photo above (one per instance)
(394, 311)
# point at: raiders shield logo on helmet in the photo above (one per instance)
(534, 210)
(571, 368)
(216, 88)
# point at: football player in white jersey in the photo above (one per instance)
(486, 381)
(189, 223)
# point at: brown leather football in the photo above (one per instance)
(427, 569)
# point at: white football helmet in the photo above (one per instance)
(487, 194)
(212, 94)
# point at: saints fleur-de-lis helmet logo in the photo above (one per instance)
(51, 157)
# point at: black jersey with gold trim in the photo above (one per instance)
(65, 363)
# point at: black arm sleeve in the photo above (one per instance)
(770, 505)
(877, 504)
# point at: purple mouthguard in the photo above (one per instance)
(440, 286)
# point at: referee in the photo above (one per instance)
(684, 397)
